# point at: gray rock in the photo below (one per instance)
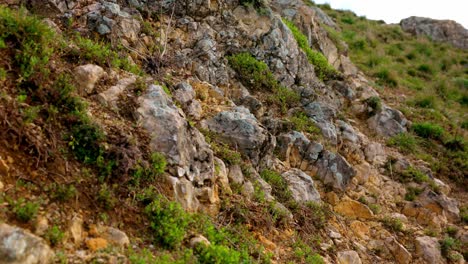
(323, 116)
(301, 186)
(388, 122)
(235, 175)
(184, 93)
(87, 76)
(248, 190)
(115, 237)
(375, 153)
(240, 129)
(334, 170)
(222, 175)
(110, 96)
(184, 146)
(348, 257)
(347, 132)
(17, 246)
(199, 240)
(428, 248)
(438, 30)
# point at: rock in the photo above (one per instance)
(323, 115)
(111, 95)
(401, 254)
(222, 176)
(347, 132)
(199, 240)
(428, 248)
(438, 202)
(95, 244)
(241, 129)
(115, 236)
(76, 230)
(42, 224)
(2, 186)
(348, 257)
(235, 175)
(334, 170)
(185, 148)
(19, 246)
(4, 168)
(301, 186)
(248, 190)
(184, 93)
(295, 148)
(388, 122)
(375, 153)
(438, 30)
(360, 229)
(353, 209)
(185, 194)
(87, 76)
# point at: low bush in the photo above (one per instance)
(374, 105)
(302, 122)
(393, 224)
(414, 174)
(54, 235)
(428, 130)
(25, 211)
(412, 193)
(217, 254)
(447, 244)
(169, 222)
(252, 72)
(278, 184)
(405, 142)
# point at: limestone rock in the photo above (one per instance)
(248, 190)
(401, 254)
(388, 122)
(111, 95)
(76, 230)
(348, 257)
(438, 30)
(17, 246)
(360, 229)
(235, 175)
(241, 129)
(334, 170)
(222, 175)
(428, 248)
(199, 240)
(301, 186)
(375, 153)
(115, 236)
(87, 76)
(354, 209)
(184, 146)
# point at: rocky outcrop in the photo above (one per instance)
(19, 246)
(388, 122)
(185, 148)
(428, 249)
(438, 30)
(241, 130)
(301, 186)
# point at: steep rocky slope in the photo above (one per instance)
(214, 132)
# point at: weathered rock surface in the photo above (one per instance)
(438, 30)
(428, 248)
(348, 257)
(184, 146)
(388, 122)
(334, 170)
(19, 246)
(301, 186)
(241, 129)
(353, 209)
(86, 76)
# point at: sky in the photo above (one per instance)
(392, 11)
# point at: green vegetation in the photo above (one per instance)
(448, 244)
(62, 192)
(393, 224)
(31, 40)
(374, 105)
(302, 122)
(405, 142)
(412, 193)
(54, 235)
(322, 68)
(218, 254)
(304, 254)
(106, 197)
(25, 211)
(278, 184)
(414, 174)
(428, 130)
(256, 75)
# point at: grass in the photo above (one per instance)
(278, 184)
(302, 122)
(393, 224)
(428, 130)
(25, 211)
(414, 174)
(374, 105)
(405, 142)
(323, 69)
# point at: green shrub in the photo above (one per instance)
(424, 102)
(85, 141)
(386, 77)
(393, 224)
(278, 184)
(253, 73)
(428, 130)
(168, 221)
(158, 163)
(374, 105)
(54, 235)
(106, 197)
(32, 40)
(448, 244)
(323, 69)
(285, 98)
(414, 174)
(412, 193)
(217, 254)
(302, 122)
(25, 211)
(405, 142)
(63, 192)
(375, 208)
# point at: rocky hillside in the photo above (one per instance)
(228, 131)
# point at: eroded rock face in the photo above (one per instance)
(348, 257)
(428, 248)
(334, 170)
(241, 129)
(86, 76)
(388, 122)
(185, 148)
(438, 30)
(19, 246)
(301, 186)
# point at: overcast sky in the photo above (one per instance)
(392, 11)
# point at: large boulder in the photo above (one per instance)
(388, 122)
(184, 146)
(239, 128)
(334, 170)
(438, 30)
(428, 249)
(18, 246)
(301, 186)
